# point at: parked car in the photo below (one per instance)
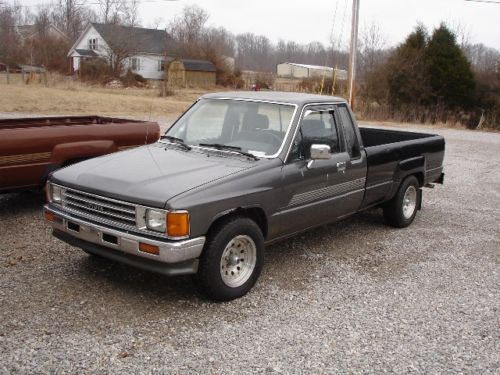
(32, 148)
(236, 172)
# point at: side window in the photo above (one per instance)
(349, 132)
(161, 65)
(136, 64)
(318, 127)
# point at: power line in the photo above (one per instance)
(484, 1)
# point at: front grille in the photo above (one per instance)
(100, 208)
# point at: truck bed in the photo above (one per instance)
(376, 137)
(60, 121)
(392, 153)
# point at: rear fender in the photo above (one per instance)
(412, 166)
(76, 150)
(81, 150)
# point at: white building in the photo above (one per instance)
(293, 70)
(145, 48)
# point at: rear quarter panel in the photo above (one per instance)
(389, 164)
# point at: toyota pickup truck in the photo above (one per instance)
(31, 148)
(236, 172)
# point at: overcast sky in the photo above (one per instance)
(305, 21)
(312, 20)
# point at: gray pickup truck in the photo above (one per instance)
(235, 172)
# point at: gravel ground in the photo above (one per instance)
(356, 296)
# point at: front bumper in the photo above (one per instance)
(175, 257)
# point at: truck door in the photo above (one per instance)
(351, 179)
(312, 189)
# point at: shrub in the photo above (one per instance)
(95, 71)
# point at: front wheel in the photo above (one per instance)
(401, 210)
(232, 259)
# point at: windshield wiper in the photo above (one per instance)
(177, 141)
(236, 149)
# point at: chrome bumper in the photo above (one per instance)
(170, 252)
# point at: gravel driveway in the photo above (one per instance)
(355, 297)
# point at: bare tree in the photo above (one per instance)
(122, 44)
(71, 17)
(483, 58)
(130, 13)
(11, 51)
(373, 49)
(187, 30)
(108, 10)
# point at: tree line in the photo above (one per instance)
(428, 77)
(432, 78)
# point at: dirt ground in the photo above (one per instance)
(351, 297)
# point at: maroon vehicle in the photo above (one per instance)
(31, 148)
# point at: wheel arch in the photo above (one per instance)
(254, 213)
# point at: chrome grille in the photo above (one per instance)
(101, 208)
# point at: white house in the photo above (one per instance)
(144, 49)
(293, 70)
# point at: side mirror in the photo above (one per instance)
(318, 152)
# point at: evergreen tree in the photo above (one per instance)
(449, 72)
(406, 71)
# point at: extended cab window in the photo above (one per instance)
(316, 127)
(349, 132)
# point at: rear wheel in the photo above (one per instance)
(232, 259)
(402, 209)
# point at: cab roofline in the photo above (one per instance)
(275, 97)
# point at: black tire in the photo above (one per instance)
(209, 280)
(394, 209)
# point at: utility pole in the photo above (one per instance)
(353, 50)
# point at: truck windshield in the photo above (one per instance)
(254, 127)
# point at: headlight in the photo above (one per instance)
(156, 220)
(174, 224)
(54, 193)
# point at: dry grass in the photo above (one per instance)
(64, 96)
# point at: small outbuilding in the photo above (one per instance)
(187, 72)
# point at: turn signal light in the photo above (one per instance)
(49, 216)
(150, 249)
(178, 224)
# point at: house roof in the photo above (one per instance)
(140, 40)
(308, 66)
(29, 31)
(33, 69)
(86, 52)
(198, 65)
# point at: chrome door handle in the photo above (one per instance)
(341, 166)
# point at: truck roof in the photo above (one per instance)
(275, 96)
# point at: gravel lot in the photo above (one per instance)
(355, 297)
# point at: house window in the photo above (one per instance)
(161, 65)
(93, 43)
(136, 64)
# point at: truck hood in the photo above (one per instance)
(149, 175)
